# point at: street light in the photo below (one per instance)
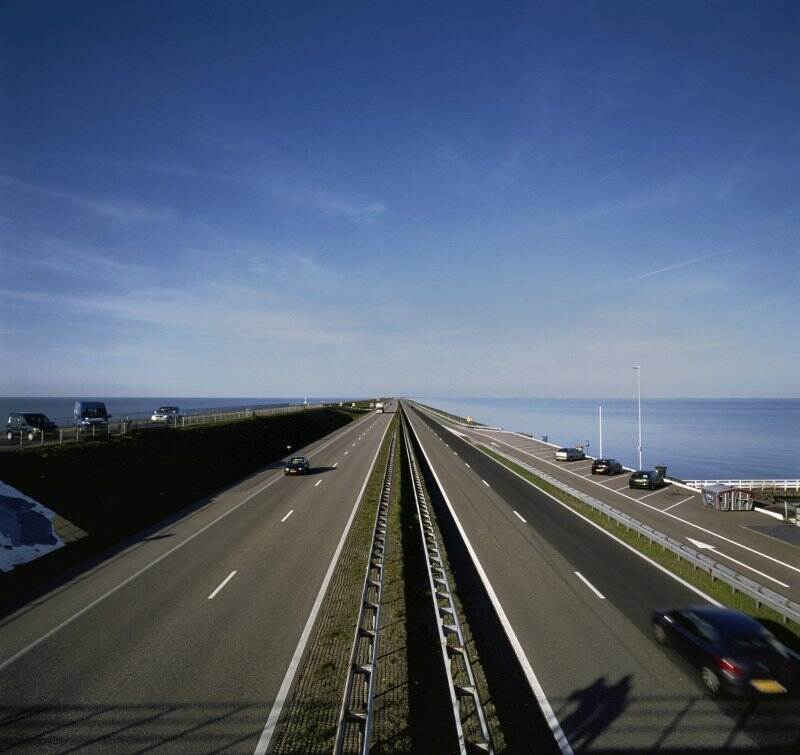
(639, 394)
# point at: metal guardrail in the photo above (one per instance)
(747, 484)
(356, 715)
(451, 637)
(787, 608)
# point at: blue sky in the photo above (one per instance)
(515, 199)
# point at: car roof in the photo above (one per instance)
(727, 619)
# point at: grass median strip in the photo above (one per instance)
(789, 631)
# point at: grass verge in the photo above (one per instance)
(789, 631)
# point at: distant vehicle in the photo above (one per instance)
(89, 414)
(28, 425)
(650, 479)
(606, 466)
(569, 454)
(297, 465)
(732, 651)
(166, 414)
(379, 407)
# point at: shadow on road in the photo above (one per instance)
(598, 705)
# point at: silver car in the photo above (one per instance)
(569, 454)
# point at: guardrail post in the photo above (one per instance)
(60, 436)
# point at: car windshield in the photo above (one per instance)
(298, 460)
(93, 411)
(35, 418)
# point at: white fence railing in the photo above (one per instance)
(747, 484)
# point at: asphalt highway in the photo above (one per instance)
(747, 541)
(579, 603)
(182, 642)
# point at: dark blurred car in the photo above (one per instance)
(649, 479)
(606, 466)
(732, 651)
(28, 425)
(297, 465)
(91, 415)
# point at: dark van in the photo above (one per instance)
(28, 425)
(89, 414)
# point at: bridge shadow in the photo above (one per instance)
(163, 726)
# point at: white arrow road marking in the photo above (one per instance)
(222, 584)
(590, 585)
(706, 547)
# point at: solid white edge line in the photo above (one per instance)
(602, 529)
(520, 517)
(222, 584)
(291, 511)
(160, 558)
(283, 692)
(533, 681)
(590, 585)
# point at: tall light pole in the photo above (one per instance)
(639, 394)
(601, 431)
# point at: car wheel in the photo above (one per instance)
(660, 634)
(710, 680)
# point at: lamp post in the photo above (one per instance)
(639, 395)
(600, 411)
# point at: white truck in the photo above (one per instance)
(379, 407)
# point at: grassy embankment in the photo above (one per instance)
(115, 488)
(788, 631)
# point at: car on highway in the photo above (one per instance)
(166, 414)
(91, 414)
(732, 652)
(606, 466)
(569, 454)
(28, 425)
(297, 465)
(647, 479)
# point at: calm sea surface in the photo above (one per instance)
(694, 438)
(60, 409)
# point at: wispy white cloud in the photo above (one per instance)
(118, 210)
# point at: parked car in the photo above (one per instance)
(650, 479)
(166, 414)
(28, 425)
(606, 466)
(569, 454)
(91, 414)
(297, 465)
(732, 651)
